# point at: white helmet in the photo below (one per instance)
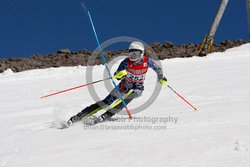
(136, 51)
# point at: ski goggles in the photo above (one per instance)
(134, 54)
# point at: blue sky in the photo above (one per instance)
(31, 27)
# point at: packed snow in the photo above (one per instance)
(168, 133)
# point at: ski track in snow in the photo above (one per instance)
(217, 135)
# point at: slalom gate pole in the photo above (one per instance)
(105, 63)
(195, 109)
(80, 86)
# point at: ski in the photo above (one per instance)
(89, 119)
(93, 120)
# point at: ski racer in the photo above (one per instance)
(131, 73)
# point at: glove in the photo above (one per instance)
(119, 75)
(163, 81)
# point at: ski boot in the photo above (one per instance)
(105, 116)
(92, 120)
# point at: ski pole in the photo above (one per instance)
(80, 86)
(105, 63)
(195, 109)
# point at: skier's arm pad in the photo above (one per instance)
(119, 75)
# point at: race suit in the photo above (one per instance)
(134, 80)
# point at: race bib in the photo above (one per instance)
(135, 78)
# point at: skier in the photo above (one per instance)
(131, 72)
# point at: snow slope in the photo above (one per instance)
(217, 135)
